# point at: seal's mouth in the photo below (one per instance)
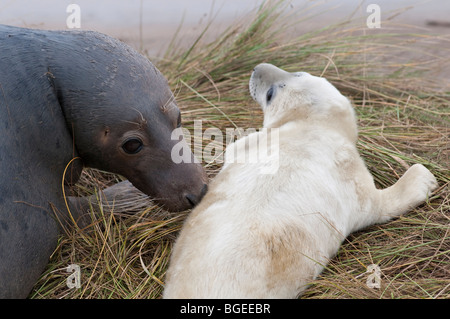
(182, 202)
(194, 199)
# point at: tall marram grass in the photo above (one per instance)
(403, 119)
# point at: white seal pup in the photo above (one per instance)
(266, 234)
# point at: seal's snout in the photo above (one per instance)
(193, 199)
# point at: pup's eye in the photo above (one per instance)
(132, 145)
(269, 94)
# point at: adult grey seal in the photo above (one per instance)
(84, 95)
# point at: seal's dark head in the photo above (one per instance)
(122, 113)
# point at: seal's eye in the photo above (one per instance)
(269, 94)
(132, 145)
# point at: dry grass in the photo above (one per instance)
(403, 118)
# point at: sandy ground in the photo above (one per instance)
(151, 24)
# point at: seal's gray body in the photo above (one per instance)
(66, 95)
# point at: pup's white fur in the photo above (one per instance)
(268, 235)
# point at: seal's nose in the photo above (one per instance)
(195, 199)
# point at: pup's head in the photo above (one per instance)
(285, 97)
